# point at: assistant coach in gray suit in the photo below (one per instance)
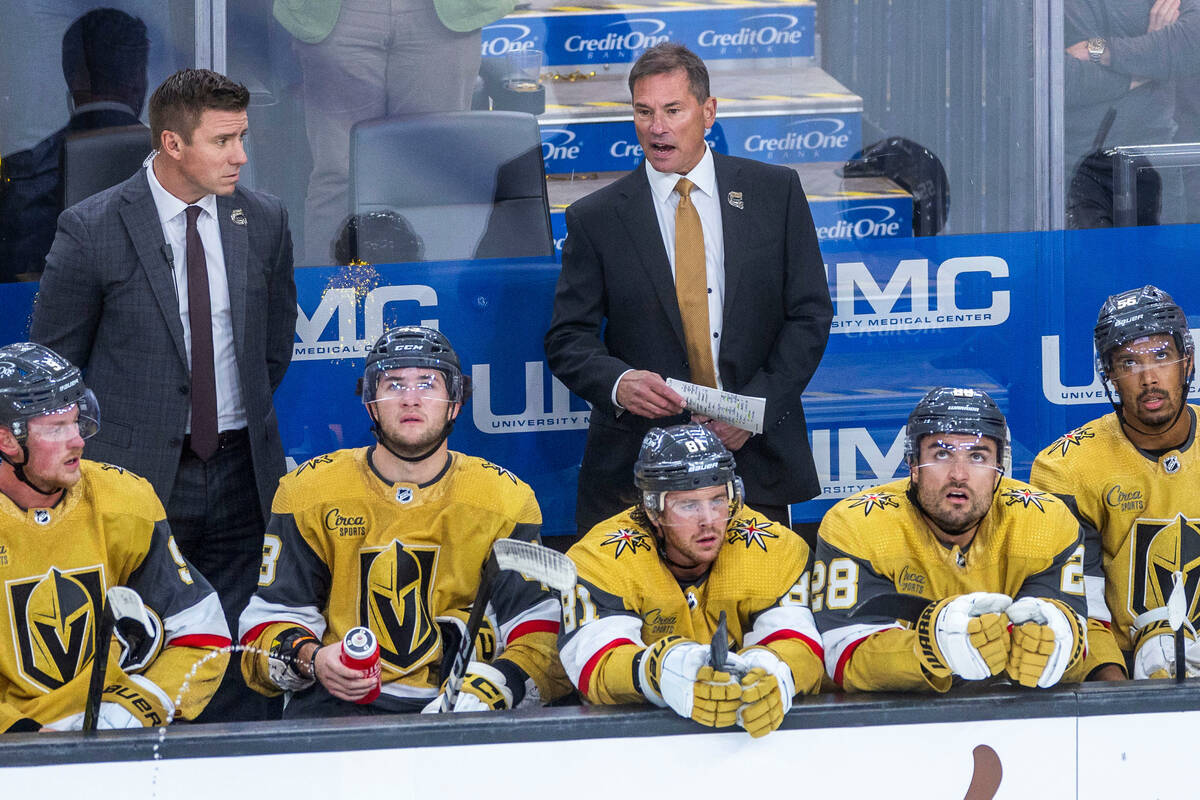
(185, 375)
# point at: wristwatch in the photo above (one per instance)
(1097, 47)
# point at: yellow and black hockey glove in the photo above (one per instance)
(964, 635)
(1048, 638)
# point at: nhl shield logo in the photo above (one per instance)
(1171, 464)
(41, 516)
(404, 495)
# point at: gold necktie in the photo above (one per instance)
(691, 286)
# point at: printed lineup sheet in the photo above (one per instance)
(739, 410)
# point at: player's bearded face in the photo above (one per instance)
(412, 407)
(693, 524)
(955, 476)
(55, 448)
(1149, 374)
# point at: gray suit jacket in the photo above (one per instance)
(107, 303)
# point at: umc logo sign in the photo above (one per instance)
(902, 303)
(534, 415)
(339, 309)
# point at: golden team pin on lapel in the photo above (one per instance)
(237, 216)
(735, 200)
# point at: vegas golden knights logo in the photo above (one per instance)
(54, 622)
(395, 601)
(1159, 548)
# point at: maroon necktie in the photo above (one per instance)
(204, 384)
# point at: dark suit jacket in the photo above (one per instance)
(615, 309)
(31, 192)
(107, 303)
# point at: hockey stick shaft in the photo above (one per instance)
(466, 647)
(99, 667)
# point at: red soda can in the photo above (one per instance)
(360, 650)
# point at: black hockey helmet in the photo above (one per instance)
(34, 381)
(916, 170)
(681, 458)
(955, 410)
(414, 346)
(1136, 313)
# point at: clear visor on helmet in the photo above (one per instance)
(405, 383)
(942, 454)
(715, 509)
(676, 508)
(81, 418)
(1145, 354)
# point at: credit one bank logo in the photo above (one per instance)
(507, 37)
(558, 144)
(1060, 393)
(643, 33)
(760, 30)
(864, 304)
(535, 416)
(861, 222)
(803, 136)
(339, 310)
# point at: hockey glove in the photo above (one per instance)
(281, 659)
(965, 635)
(1154, 652)
(675, 672)
(767, 691)
(484, 688)
(135, 702)
(140, 640)
(1048, 638)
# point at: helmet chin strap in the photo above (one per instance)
(19, 471)
(384, 440)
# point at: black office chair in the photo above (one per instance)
(96, 160)
(470, 184)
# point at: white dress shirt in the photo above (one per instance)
(704, 197)
(231, 411)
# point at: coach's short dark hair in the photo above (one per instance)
(177, 104)
(668, 57)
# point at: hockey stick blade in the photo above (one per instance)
(719, 649)
(535, 563)
(896, 605)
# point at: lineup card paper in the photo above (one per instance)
(739, 410)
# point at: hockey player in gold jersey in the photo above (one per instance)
(918, 583)
(1133, 479)
(70, 529)
(655, 579)
(394, 537)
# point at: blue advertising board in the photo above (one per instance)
(780, 138)
(1011, 314)
(840, 219)
(607, 36)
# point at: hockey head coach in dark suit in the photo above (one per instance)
(714, 279)
(174, 291)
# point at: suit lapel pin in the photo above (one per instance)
(237, 216)
(735, 200)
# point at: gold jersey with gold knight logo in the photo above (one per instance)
(877, 543)
(56, 565)
(346, 548)
(1143, 508)
(626, 599)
